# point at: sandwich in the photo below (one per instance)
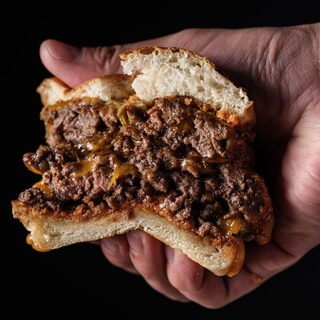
(165, 147)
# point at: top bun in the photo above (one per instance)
(155, 72)
(160, 72)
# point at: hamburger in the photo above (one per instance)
(165, 147)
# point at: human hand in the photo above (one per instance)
(280, 68)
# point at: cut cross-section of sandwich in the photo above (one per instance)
(165, 147)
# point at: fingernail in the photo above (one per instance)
(110, 245)
(135, 242)
(169, 254)
(62, 51)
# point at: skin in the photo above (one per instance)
(280, 68)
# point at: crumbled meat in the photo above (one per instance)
(177, 148)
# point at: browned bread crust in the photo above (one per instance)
(54, 230)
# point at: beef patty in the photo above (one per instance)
(175, 153)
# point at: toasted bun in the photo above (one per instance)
(150, 73)
(51, 232)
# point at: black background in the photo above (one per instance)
(77, 281)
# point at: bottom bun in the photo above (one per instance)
(49, 232)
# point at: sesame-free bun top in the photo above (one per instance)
(160, 72)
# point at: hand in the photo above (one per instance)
(280, 68)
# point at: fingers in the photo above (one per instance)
(194, 282)
(147, 255)
(116, 250)
(140, 253)
(173, 274)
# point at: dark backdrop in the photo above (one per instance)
(77, 281)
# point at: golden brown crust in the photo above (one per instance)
(164, 50)
(115, 86)
(51, 230)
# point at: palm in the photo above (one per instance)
(283, 79)
(287, 134)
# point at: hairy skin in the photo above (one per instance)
(280, 68)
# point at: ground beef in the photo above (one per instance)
(177, 148)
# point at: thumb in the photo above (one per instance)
(74, 65)
(230, 49)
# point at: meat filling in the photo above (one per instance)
(175, 153)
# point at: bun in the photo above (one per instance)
(106, 88)
(55, 231)
(161, 72)
(84, 207)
